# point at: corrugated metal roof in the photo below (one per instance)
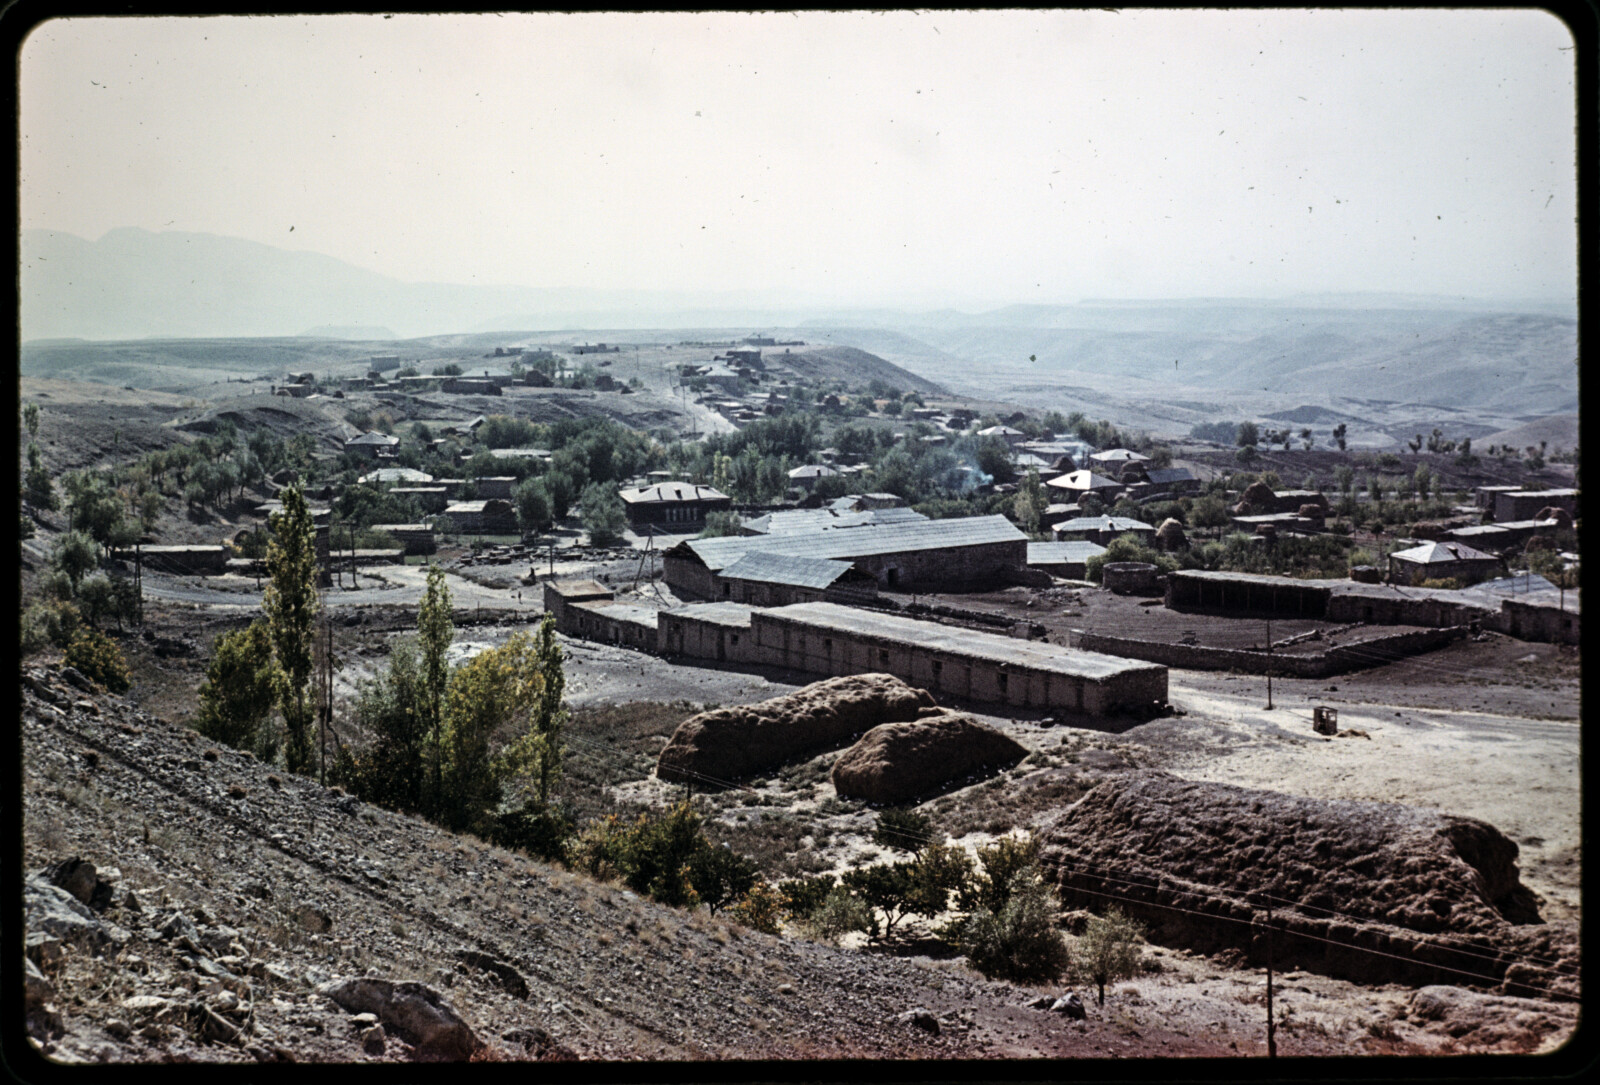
(1103, 523)
(801, 572)
(812, 470)
(1159, 475)
(799, 521)
(1083, 480)
(372, 437)
(736, 615)
(1435, 553)
(664, 492)
(861, 542)
(1062, 553)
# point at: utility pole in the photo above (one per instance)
(1272, 1028)
(1269, 663)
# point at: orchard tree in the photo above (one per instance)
(1339, 432)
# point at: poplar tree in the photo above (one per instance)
(435, 631)
(291, 607)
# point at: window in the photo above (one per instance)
(937, 667)
(1002, 680)
(883, 656)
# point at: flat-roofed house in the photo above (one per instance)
(492, 517)
(1528, 504)
(672, 503)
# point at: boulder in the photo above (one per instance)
(57, 913)
(79, 877)
(412, 1011)
(895, 762)
(727, 743)
(498, 971)
(1070, 1005)
(922, 1019)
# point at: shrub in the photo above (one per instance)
(98, 658)
(544, 832)
(1020, 942)
(802, 897)
(838, 913)
(759, 908)
(1108, 950)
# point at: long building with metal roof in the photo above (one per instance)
(927, 554)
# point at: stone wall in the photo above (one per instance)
(1340, 659)
(1536, 621)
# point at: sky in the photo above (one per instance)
(902, 158)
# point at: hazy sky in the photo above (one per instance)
(932, 158)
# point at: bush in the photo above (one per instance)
(1020, 942)
(803, 896)
(759, 908)
(97, 657)
(651, 855)
(1108, 950)
(54, 622)
(544, 832)
(720, 876)
(838, 913)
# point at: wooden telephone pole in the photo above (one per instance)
(1272, 1028)
(1269, 663)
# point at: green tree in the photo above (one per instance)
(721, 523)
(1030, 503)
(603, 514)
(396, 771)
(74, 555)
(435, 631)
(37, 486)
(1019, 942)
(1108, 950)
(533, 505)
(290, 603)
(236, 697)
(905, 830)
(30, 419)
(1248, 436)
(1339, 432)
(720, 876)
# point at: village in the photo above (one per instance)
(1078, 602)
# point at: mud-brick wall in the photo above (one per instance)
(1531, 621)
(697, 638)
(688, 578)
(832, 652)
(586, 623)
(1337, 660)
(1402, 610)
(953, 565)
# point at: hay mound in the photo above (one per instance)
(727, 743)
(1440, 895)
(894, 762)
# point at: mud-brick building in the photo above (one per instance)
(492, 517)
(672, 503)
(776, 580)
(1441, 560)
(372, 445)
(1063, 559)
(824, 638)
(186, 560)
(921, 555)
(1528, 504)
(413, 538)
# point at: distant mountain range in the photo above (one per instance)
(1514, 359)
(133, 284)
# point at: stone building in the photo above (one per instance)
(954, 553)
(1442, 560)
(680, 505)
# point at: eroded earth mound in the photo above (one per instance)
(727, 743)
(1370, 891)
(895, 762)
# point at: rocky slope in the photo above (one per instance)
(236, 913)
